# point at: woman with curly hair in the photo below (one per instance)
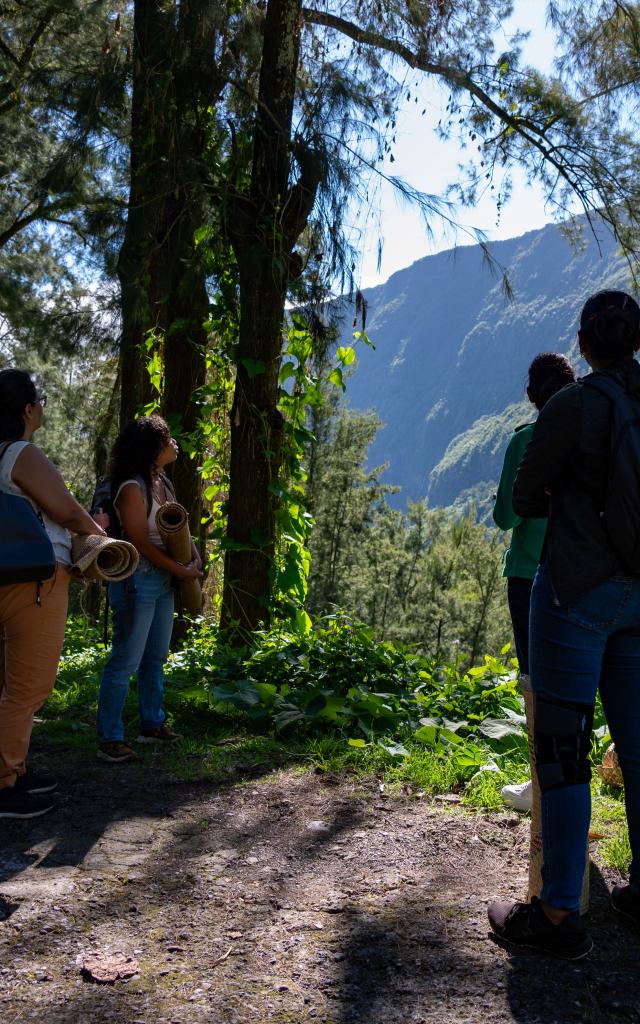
(549, 373)
(142, 605)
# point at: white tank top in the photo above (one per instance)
(58, 535)
(152, 527)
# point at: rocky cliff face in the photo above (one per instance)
(448, 371)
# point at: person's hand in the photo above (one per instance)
(188, 572)
(102, 519)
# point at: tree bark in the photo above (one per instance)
(163, 283)
(265, 226)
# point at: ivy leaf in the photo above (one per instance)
(336, 378)
(254, 367)
(288, 370)
(346, 355)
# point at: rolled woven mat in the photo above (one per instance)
(173, 526)
(103, 558)
(535, 840)
(609, 771)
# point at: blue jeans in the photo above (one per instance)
(142, 622)
(575, 649)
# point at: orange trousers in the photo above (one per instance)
(31, 638)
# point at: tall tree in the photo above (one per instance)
(181, 61)
(63, 102)
(320, 66)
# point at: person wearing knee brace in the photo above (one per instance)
(582, 470)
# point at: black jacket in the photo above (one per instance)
(568, 455)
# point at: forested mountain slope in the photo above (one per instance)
(448, 371)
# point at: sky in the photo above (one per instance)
(429, 165)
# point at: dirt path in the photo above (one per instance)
(336, 904)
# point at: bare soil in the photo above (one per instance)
(290, 898)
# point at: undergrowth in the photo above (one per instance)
(335, 700)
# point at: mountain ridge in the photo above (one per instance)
(448, 372)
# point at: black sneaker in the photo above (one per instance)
(526, 924)
(15, 803)
(626, 901)
(35, 782)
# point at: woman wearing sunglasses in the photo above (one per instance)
(32, 615)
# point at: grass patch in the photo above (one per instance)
(334, 701)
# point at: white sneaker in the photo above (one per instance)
(520, 797)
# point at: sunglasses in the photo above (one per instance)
(41, 397)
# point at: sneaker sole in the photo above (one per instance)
(517, 807)
(115, 760)
(544, 949)
(26, 814)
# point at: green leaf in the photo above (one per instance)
(393, 748)
(286, 714)
(288, 370)
(428, 735)
(254, 367)
(239, 694)
(499, 728)
(335, 377)
(302, 622)
(346, 355)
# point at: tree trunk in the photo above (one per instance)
(163, 283)
(141, 269)
(265, 226)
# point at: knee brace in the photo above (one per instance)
(562, 739)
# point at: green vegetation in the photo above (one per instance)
(431, 578)
(333, 700)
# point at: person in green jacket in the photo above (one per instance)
(548, 373)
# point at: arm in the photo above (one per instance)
(503, 514)
(195, 554)
(41, 481)
(555, 439)
(133, 516)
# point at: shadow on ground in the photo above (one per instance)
(291, 899)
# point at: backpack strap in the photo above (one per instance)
(168, 484)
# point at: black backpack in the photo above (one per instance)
(621, 511)
(103, 502)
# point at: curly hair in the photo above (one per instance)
(610, 325)
(548, 373)
(17, 389)
(136, 449)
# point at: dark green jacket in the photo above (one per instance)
(523, 554)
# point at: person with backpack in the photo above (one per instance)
(38, 513)
(142, 605)
(582, 469)
(548, 373)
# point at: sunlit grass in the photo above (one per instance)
(223, 745)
